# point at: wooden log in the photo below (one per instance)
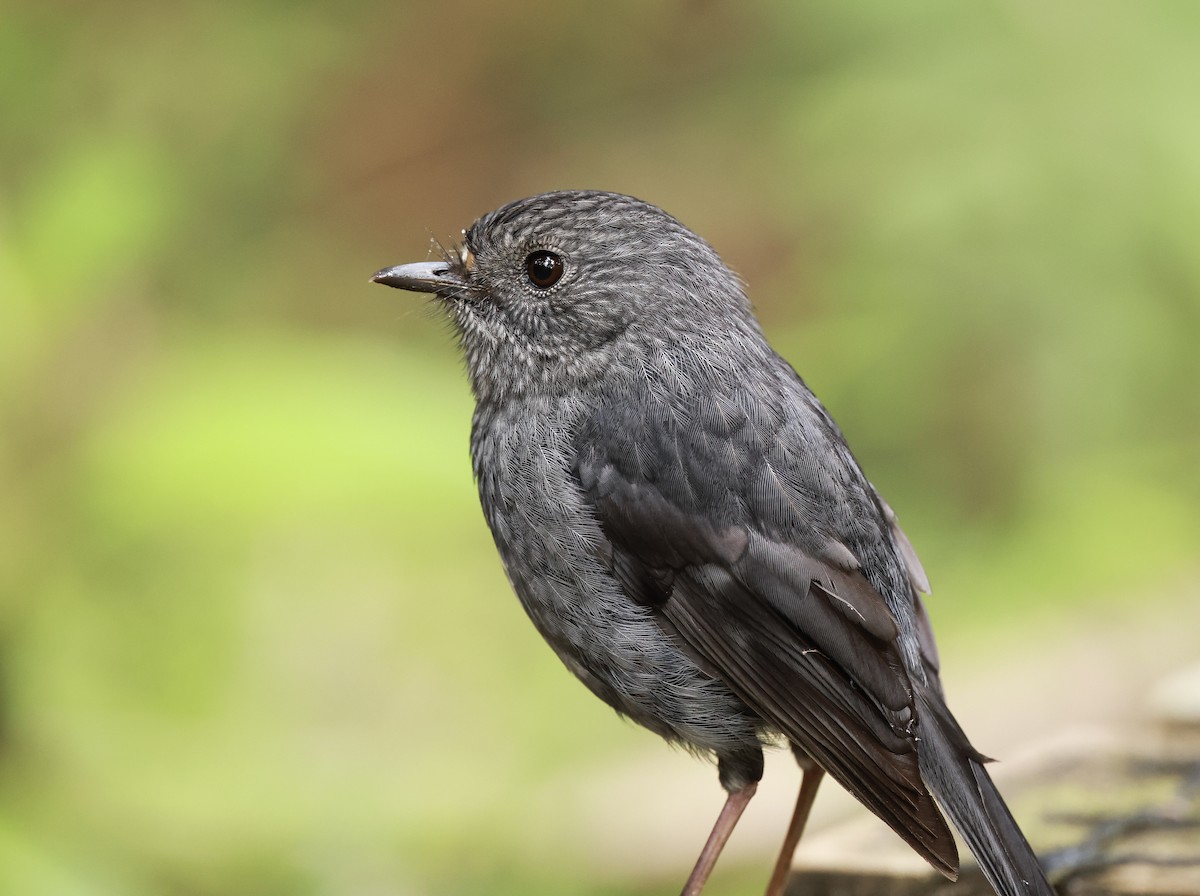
(1110, 814)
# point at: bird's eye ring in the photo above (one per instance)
(543, 268)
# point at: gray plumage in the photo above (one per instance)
(686, 526)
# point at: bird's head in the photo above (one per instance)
(552, 290)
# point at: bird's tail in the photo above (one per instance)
(954, 771)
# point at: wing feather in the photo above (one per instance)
(798, 632)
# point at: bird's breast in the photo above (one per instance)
(557, 558)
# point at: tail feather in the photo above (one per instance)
(954, 771)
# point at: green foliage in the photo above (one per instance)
(253, 635)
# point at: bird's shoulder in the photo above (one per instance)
(755, 452)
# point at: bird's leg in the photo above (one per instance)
(810, 779)
(735, 804)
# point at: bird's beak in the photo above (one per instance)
(425, 276)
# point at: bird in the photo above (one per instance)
(687, 528)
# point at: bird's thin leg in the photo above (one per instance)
(735, 804)
(810, 780)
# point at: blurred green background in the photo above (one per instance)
(254, 638)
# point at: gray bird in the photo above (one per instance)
(687, 528)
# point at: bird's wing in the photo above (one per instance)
(750, 538)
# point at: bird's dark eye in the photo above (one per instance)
(543, 268)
